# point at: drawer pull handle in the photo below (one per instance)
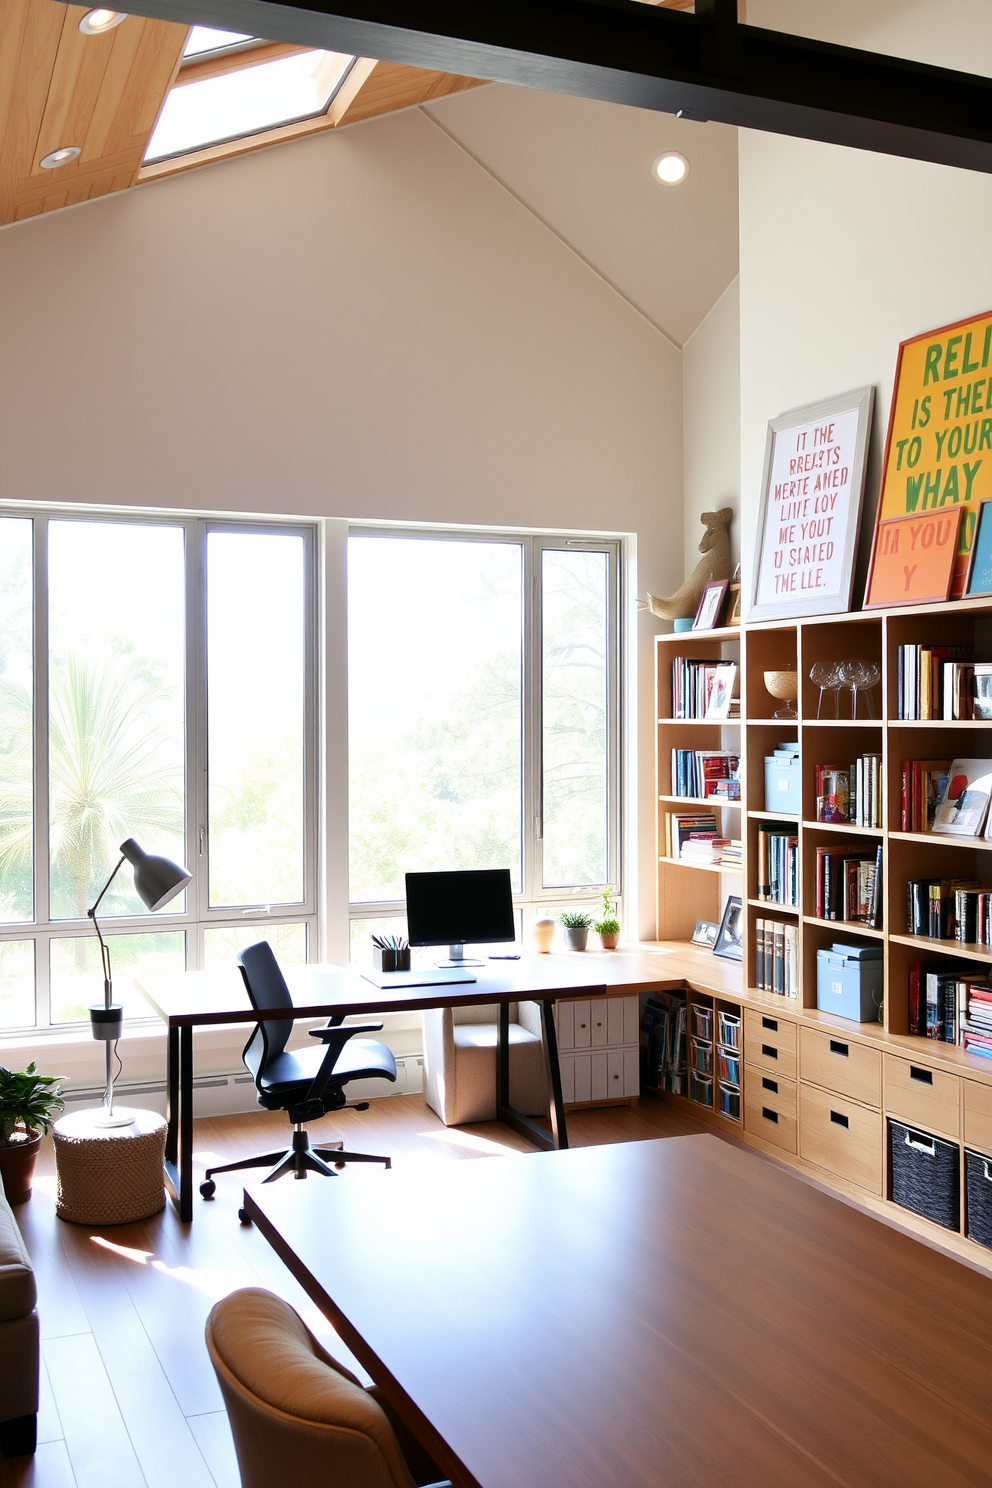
(839, 1120)
(771, 1023)
(836, 1047)
(769, 1051)
(921, 1143)
(771, 1085)
(924, 1076)
(769, 1115)
(616, 1077)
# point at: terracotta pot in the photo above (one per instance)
(609, 939)
(17, 1168)
(576, 937)
(543, 933)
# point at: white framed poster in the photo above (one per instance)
(811, 492)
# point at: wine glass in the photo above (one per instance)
(826, 676)
(864, 677)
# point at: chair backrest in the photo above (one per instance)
(267, 988)
(297, 1416)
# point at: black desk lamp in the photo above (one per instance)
(156, 880)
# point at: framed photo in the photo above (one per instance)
(931, 459)
(705, 933)
(730, 936)
(980, 564)
(734, 617)
(811, 493)
(710, 605)
(721, 692)
(914, 559)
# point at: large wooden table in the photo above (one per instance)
(198, 999)
(663, 1314)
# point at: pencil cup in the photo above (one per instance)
(391, 960)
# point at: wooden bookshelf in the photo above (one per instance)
(686, 894)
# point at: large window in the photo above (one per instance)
(483, 715)
(156, 682)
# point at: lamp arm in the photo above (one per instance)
(104, 952)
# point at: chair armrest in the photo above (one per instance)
(344, 1032)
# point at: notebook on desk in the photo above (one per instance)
(426, 976)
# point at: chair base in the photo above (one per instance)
(18, 1438)
(299, 1159)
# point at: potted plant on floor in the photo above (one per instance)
(608, 926)
(28, 1103)
(576, 927)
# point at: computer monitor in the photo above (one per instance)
(474, 907)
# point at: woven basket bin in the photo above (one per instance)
(978, 1197)
(925, 1174)
(111, 1176)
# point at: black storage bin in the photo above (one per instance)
(978, 1197)
(925, 1174)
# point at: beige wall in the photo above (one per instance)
(356, 326)
(711, 425)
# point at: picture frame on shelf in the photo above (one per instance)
(711, 603)
(705, 934)
(980, 560)
(721, 692)
(734, 606)
(809, 512)
(914, 559)
(729, 941)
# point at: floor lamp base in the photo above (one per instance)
(99, 1117)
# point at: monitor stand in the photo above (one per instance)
(457, 957)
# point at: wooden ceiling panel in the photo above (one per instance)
(392, 86)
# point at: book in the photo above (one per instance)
(832, 787)
(964, 804)
(922, 784)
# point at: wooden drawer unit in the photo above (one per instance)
(978, 1115)
(770, 1043)
(841, 1136)
(838, 1064)
(922, 1096)
(770, 1108)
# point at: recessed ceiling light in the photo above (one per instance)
(670, 169)
(95, 22)
(55, 158)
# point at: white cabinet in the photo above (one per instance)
(598, 1049)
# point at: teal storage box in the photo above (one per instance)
(782, 787)
(849, 981)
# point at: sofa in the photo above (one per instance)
(18, 1340)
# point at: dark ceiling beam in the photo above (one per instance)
(702, 65)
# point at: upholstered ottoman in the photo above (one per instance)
(109, 1175)
(18, 1341)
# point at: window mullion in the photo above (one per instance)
(532, 841)
(41, 807)
(197, 845)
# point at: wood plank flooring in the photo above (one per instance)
(129, 1399)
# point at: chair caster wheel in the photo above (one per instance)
(244, 1216)
(208, 1188)
(339, 1165)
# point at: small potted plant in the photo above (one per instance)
(28, 1103)
(607, 927)
(576, 927)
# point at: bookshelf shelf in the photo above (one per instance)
(700, 801)
(830, 743)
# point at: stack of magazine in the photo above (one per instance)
(663, 1064)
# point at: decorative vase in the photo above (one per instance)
(17, 1168)
(576, 937)
(784, 687)
(609, 939)
(543, 933)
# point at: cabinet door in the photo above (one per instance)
(599, 1022)
(567, 1066)
(632, 1071)
(599, 1075)
(581, 1063)
(582, 1037)
(616, 1020)
(565, 1023)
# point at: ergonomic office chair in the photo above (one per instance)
(306, 1083)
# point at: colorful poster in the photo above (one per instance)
(938, 454)
(914, 559)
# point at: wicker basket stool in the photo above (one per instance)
(109, 1175)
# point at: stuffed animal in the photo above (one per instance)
(714, 565)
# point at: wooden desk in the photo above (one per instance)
(660, 1314)
(197, 999)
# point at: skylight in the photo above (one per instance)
(203, 39)
(246, 101)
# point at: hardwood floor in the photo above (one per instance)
(129, 1399)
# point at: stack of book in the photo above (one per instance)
(778, 864)
(733, 856)
(698, 772)
(950, 1004)
(704, 689)
(924, 685)
(950, 909)
(849, 884)
(776, 957)
(697, 849)
(685, 826)
(922, 784)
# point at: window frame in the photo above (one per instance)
(534, 897)
(198, 916)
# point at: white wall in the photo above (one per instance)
(711, 383)
(844, 253)
(361, 325)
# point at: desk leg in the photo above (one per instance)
(558, 1136)
(179, 1136)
